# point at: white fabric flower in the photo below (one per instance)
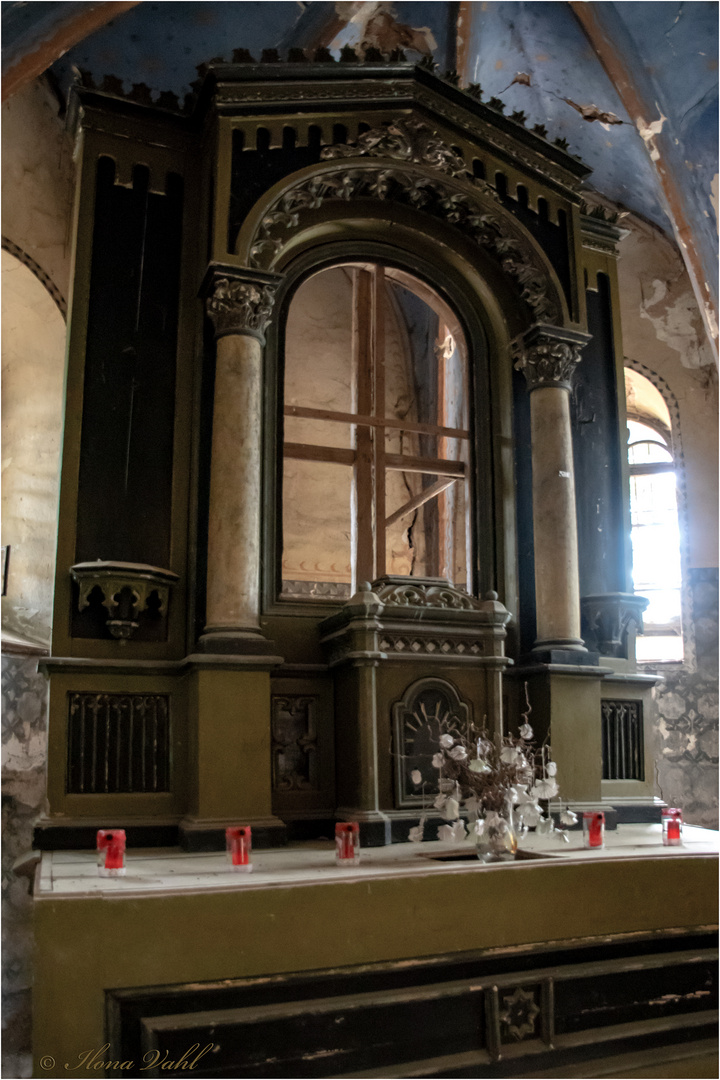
(472, 805)
(479, 827)
(568, 816)
(545, 789)
(416, 834)
(416, 777)
(509, 755)
(452, 834)
(551, 768)
(446, 741)
(526, 732)
(519, 793)
(545, 826)
(440, 802)
(438, 761)
(563, 835)
(458, 753)
(478, 765)
(451, 809)
(529, 813)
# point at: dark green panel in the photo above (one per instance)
(125, 483)
(596, 454)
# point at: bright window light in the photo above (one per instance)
(655, 543)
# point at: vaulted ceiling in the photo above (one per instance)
(649, 69)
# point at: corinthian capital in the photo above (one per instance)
(548, 355)
(239, 301)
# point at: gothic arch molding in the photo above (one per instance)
(403, 168)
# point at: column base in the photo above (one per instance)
(562, 651)
(235, 640)
(209, 834)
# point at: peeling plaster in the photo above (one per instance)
(675, 323)
(374, 25)
(649, 132)
(714, 199)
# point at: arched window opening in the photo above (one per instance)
(654, 519)
(376, 463)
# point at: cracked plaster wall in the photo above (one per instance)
(37, 180)
(36, 200)
(24, 745)
(663, 331)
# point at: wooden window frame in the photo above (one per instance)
(369, 459)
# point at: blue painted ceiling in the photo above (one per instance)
(670, 47)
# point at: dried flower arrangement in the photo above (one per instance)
(499, 783)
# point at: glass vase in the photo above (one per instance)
(498, 841)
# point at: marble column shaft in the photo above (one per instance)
(234, 519)
(548, 356)
(557, 583)
(240, 308)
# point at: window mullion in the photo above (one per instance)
(363, 561)
(378, 411)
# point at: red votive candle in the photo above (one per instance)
(594, 829)
(672, 820)
(347, 843)
(111, 852)
(238, 844)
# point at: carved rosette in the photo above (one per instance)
(548, 356)
(240, 305)
(519, 1013)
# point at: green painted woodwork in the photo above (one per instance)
(163, 149)
(221, 714)
(567, 704)
(229, 739)
(85, 945)
(118, 808)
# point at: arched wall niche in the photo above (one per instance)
(487, 322)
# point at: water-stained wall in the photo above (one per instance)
(663, 338)
(36, 196)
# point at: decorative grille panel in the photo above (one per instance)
(294, 742)
(118, 743)
(622, 735)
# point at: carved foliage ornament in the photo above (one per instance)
(405, 140)
(240, 306)
(455, 197)
(434, 596)
(548, 360)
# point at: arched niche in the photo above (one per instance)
(429, 708)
